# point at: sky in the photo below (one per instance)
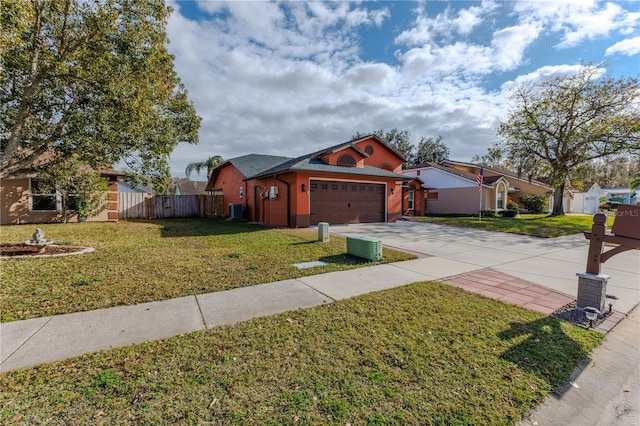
(291, 77)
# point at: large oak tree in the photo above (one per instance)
(431, 150)
(562, 123)
(92, 77)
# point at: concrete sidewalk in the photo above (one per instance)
(31, 342)
(536, 273)
(605, 391)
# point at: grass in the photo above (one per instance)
(534, 225)
(142, 261)
(418, 354)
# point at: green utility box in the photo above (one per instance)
(365, 247)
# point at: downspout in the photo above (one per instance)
(288, 199)
(246, 200)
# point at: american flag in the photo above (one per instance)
(480, 178)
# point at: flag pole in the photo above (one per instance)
(480, 181)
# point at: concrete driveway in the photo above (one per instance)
(549, 262)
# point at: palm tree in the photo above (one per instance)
(209, 164)
(635, 182)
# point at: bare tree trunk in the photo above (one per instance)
(558, 198)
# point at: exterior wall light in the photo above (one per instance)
(304, 188)
(392, 190)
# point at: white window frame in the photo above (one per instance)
(410, 200)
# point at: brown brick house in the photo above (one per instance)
(21, 200)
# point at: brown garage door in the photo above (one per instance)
(346, 202)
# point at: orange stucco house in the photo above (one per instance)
(352, 182)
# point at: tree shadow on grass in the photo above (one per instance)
(345, 259)
(548, 352)
(201, 227)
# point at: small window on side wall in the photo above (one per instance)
(42, 199)
(241, 192)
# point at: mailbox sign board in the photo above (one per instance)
(627, 221)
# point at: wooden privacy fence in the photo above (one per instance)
(132, 205)
(143, 206)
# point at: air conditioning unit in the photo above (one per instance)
(236, 211)
(365, 247)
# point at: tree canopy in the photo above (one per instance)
(81, 189)
(209, 164)
(559, 124)
(431, 150)
(90, 77)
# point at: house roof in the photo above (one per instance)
(352, 143)
(505, 172)
(186, 186)
(487, 180)
(306, 164)
(253, 166)
(312, 163)
(248, 165)
(142, 188)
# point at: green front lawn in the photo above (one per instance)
(143, 261)
(535, 225)
(420, 354)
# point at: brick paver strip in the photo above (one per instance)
(509, 289)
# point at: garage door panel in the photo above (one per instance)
(346, 202)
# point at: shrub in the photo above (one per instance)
(512, 205)
(604, 206)
(487, 213)
(509, 213)
(535, 204)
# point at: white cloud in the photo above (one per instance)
(509, 45)
(578, 20)
(445, 25)
(287, 78)
(628, 47)
(544, 73)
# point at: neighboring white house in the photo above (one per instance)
(589, 202)
(452, 187)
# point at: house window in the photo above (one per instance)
(354, 188)
(499, 200)
(410, 200)
(324, 186)
(432, 195)
(41, 198)
(368, 149)
(347, 160)
(334, 186)
(314, 186)
(418, 173)
(344, 187)
(240, 192)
